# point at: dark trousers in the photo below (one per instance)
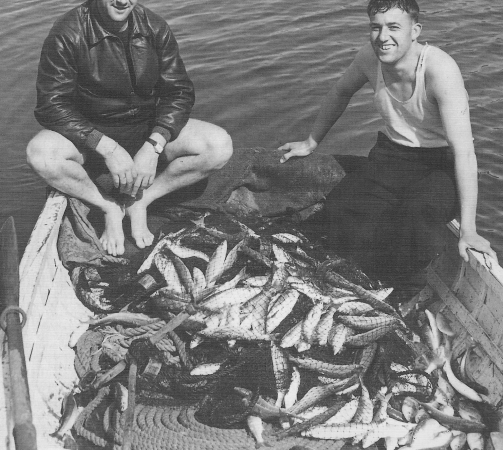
(389, 215)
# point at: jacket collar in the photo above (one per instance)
(96, 32)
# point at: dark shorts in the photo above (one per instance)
(131, 137)
(391, 211)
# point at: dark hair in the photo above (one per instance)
(381, 6)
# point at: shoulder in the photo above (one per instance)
(70, 24)
(440, 66)
(366, 62)
(154, 21)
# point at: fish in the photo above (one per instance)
(70, 412)
(364, 412)
(458, 440)
(287, 238)
(262, 407)
(255, 310)
(293, 389)
(327, 369)
(280, 308)
(238, 333)
(256, 427)
(324, 325)
(475, 441)
(184, 274)
(466, 422)
(257, 281)
(292, 336)
(281, 255)
(232, 283)
(354, 308)
(429, 434)
(199, 283)
(337, 336)
(368, 355)
(339, 431)
(362, 339)
(468, 411)
(232, 256)
(318, 393)
(311, 321)
(149, 260)
(443, 325)
(310, 290)
(458, 385)
(172, 279)
(216, 264)
(345, 414)
(185, 252)
(230, 297)
(205, 369)
(367, 323)
(124, 318)
(410, 407)
(121, 396)
(436, 338)
(385, 429)
(281, 372)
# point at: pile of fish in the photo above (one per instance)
(322, 330)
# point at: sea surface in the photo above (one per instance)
(260, 70)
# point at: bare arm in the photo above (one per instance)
(446, 85)
(331, 108)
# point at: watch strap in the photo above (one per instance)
(158, 148)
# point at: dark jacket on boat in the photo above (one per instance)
(83, 77)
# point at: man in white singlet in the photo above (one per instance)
(422, 170)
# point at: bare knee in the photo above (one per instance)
(47, 150)
(219, 150)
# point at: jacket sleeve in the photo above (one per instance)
(174, 88)
(56, 107)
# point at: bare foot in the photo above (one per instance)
(112, 238)
(139, 230)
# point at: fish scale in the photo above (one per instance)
(367, 323)
(281, 372)
(337, 336)
(280, 308)
(311, 321)
(334, 370)
(324, 325)
(362, 339)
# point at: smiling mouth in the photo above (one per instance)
(385, 47)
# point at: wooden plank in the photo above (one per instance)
(465, 318)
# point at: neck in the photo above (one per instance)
(406, 67)
(112, 25)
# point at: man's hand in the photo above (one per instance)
(121, 167)
(475, 242)
(302, 148)
(145, 162)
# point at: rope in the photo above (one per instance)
(86, 413)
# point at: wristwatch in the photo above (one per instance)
(158, 148)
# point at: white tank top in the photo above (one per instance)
(415, 122)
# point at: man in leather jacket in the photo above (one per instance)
(113, 96)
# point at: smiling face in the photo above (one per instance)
(392, 34)
(116, 10)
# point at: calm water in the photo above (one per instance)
(260, 70)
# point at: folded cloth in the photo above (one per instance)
(78, 242)
(252, 182)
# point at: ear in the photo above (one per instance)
(416, 31)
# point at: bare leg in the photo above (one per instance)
(200, 149)
(59, 163)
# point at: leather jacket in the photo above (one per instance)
(83, 77)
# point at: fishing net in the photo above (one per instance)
(270, 317)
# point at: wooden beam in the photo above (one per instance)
(465, 318)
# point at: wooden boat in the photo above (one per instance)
(470, 294)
